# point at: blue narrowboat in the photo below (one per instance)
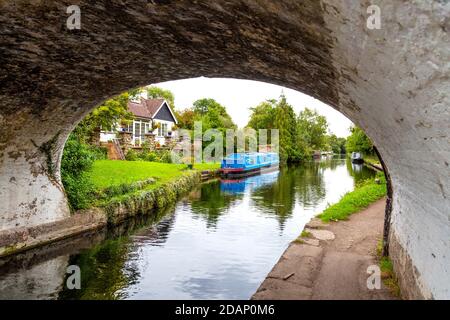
(238, 165)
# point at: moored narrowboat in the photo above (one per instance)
(357, 157)
(238, 165)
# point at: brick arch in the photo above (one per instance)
(392, 82)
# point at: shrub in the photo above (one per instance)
(364, 194)
(77, 159)
(132, 155)
(99, 153)
(150, 156)
(79, 191)
(165, 157)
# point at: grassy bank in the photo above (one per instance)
(123, 189)
(364, 194)
(116, 180)
(372, 159)
(107, 173)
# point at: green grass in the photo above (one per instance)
(387, 272)
(116, 179)
(363, 195)
(373, 159)
(388, 276)
(107, 173)
(206, 166)
(305, 234)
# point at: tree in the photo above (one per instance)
(106, 116)
(312, 128)
(212, 115)
(298, 136)
(358, 141)
(285, 122)
(159, 93)
(336, 144)
(263, 115)
(186, 118)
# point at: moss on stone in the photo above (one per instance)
(147, 201)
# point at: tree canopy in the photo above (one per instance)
(159, 93)
(358, 141)
(299, 135)
(263, 115)
(107, 115)
(313, 128)
(336, 144)
(211, 113)
(285, 122)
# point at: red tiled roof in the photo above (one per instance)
(146, 108)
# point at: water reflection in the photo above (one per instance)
(219, 242)
(240, 186)
(109, 268)
(359, 171)
(40, 281)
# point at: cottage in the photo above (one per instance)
(150, 116)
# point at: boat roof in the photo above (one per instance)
(242, 154)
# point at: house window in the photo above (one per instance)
(143, 129)
(137, 133)
(139, 129)
(162, 130)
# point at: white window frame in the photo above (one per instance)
(163, 129)
(144, 127)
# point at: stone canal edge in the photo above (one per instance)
(332, 262)
(115, 212)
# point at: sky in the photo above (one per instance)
(238, 96)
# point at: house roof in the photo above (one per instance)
(146, 108)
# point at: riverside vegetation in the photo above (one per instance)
(365, 193)
(90, 180)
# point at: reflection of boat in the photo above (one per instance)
(254, 182)
(357, 157)
(238, 165)
(357, 167)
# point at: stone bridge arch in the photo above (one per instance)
(393, 82)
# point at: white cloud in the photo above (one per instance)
(239, 95)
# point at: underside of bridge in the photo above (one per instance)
(394, 82)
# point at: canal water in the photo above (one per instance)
(218, 242)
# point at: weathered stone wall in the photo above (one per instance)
(398, 80)
(145, 202)
(393, 82)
